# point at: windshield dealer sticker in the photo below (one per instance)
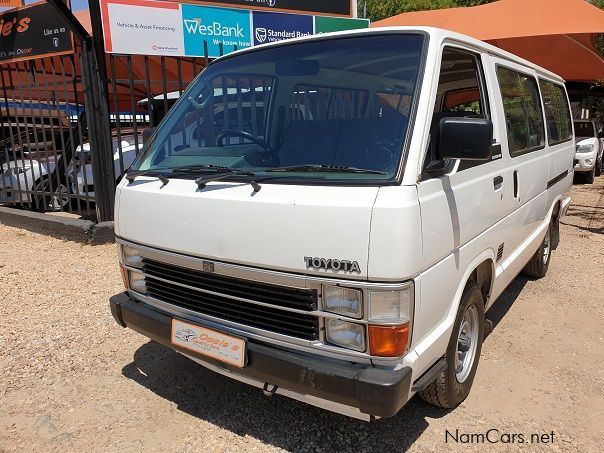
(208, 342)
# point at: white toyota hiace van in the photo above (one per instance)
(329, 218)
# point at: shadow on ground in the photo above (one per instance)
(278, 421)
(503, 304)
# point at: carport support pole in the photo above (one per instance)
(96, 102)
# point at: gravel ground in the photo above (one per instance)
(72, 380)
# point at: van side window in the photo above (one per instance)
(460, 93)
(522, 108)
(557, 112)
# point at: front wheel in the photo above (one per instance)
(47, 200)
(539, 263)
(453, 384)
(590, 176)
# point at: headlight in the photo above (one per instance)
(343, 301)
(390, 317)
(346, 334)
(137, 282)
(393, 306)
(131, 256)
(15, 171)
(589, 161)
(585, 148)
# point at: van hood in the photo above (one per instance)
(275, 228)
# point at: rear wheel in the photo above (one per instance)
(453, 384)
(539, 263)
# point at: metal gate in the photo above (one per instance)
(73, 124)
(43, 114)
(47, 114)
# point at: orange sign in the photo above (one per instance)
(10, 3)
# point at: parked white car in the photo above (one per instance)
(28, 154)
(23, 181)
(590, 149)
(19, 178)
(81, 177)
(341, 243)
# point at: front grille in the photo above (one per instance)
(195, 297)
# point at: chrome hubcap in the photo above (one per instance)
(546, 247)
(57, 200)
(467, 343)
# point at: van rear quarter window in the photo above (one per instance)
(557, 112)
(522, 108)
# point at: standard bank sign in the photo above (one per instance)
(271, 27)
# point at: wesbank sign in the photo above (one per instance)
(148, 27)
(217, 26)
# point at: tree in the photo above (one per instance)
(380, 9)
(597, 3)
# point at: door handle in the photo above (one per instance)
(497, 182)
(515, 183)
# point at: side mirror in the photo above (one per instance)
(147, 133)
(465, 138)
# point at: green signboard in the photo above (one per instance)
(329, 24)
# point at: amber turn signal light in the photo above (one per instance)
(388, 341)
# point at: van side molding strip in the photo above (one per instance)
(557, 179)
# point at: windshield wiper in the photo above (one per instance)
(325, 168)
(200, 168)
(225, 173)
(131, 176)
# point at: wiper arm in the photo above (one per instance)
(203, 181)
(200, 168)
(131, 176)
(325, 168)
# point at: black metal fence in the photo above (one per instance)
(43, 128)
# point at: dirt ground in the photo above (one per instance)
(72, 380)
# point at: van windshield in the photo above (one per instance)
(585, 129)
(316, 110)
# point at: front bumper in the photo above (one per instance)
(585, 162)
(374, 391)
(12, 196)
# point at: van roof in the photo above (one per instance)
(435, 33)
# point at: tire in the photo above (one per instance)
(45, 202)
(539, 263)
(453, 384)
